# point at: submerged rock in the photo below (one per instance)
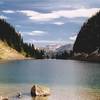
(38, 90)
(19, 95)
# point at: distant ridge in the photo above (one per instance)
(67, 47)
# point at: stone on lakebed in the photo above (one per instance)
(38, 90)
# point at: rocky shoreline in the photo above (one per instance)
(36, 91)
(58, 93)
(92, 57)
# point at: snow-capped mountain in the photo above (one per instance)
(66, 47)
(57, 48)
(52, 47)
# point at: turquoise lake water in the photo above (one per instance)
(57, 74)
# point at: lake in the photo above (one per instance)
(67, 79)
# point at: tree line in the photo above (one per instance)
(88, 39)
(9, 35)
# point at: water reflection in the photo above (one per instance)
(40, 98)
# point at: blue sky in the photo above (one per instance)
(44, 22)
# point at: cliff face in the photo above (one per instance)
(88, 39)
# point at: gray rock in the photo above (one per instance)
(38, 90)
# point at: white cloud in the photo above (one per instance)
(73, 38)
(58, 23)
(37, 16)
(35, 33)
(8, 11)
(47, 41)
(78, 21)
(74, 33)
(3, 17)
(43, 43)
(33, 15)
(18, 25)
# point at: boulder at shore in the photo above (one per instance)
(38, 90)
